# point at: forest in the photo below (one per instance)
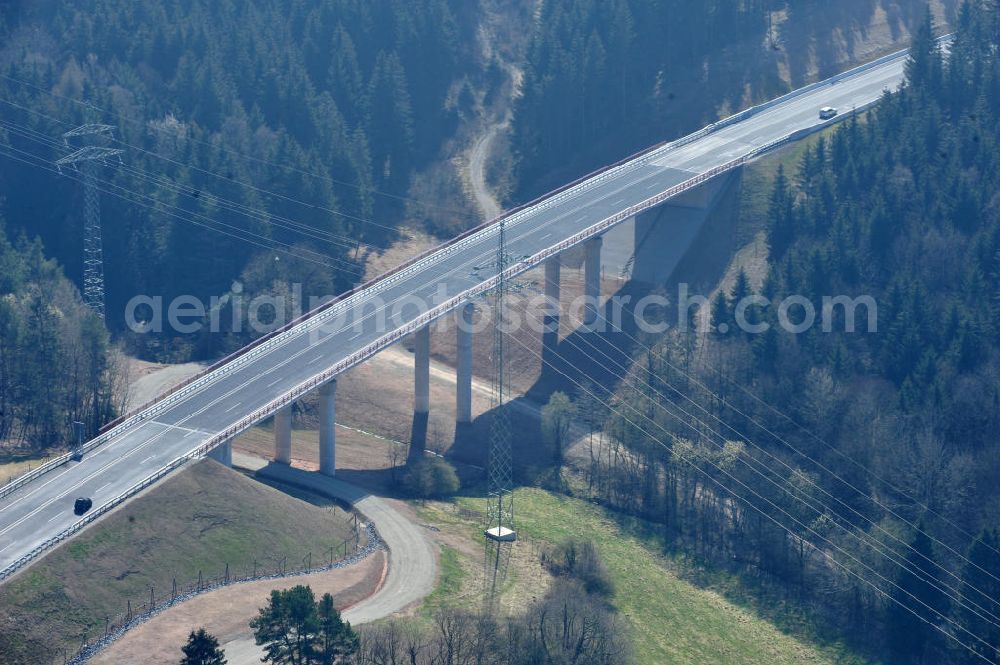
(57, 365)
(851, 474)
(249, 129)
(604, 79)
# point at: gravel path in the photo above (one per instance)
(412, 568)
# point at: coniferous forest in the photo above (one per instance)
(246, 126)
(874, 449)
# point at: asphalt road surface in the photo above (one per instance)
(43, 508)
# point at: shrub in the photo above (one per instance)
(431, 477)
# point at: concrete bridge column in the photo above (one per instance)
(328, 428)
(422, 370)
(283, 435)
(592, 280)
(463, 384)
(550, 334)
(223, 454)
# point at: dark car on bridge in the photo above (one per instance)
(82, 505)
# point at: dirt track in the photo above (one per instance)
(226, 614)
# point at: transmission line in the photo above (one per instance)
(793, 448)
(767, 516)
(859, 534)
(259, 160)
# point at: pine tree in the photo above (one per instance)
(918, 606)
(202, 649)
(923, 67)
(981, 584)
(337, 640)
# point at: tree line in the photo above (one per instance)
(56, 363)
(334, 103)
(604, 79)
(572, 624)
(771, 454)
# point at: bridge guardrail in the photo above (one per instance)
(255, 349)
(393, 336)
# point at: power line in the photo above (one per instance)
(259, 160)
(863, 537)
(88, 158)
(191, 192)
(264, 243)
(796, 450)
(730, 491)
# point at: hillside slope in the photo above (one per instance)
(197, 522)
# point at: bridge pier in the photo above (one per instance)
(328, 428)
(592, 280)
(422, 370)
(550, 322)
(223, 454)
(283, 435)
(463, 383)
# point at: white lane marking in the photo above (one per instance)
(547, 235)
(152, 456)
(8, 545)
(614, 203)
(104, 486)
(56, 516)
(276, 382)
(234, 406)
(356, 335)
(212, 403)
(315, 360)
(183, 429)
(654, 185)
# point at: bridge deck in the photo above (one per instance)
(252, 386)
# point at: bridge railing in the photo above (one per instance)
(240, 358)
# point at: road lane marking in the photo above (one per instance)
(152, 456)
(183, 429)
(234, 406)
(56, 516)
(98, 491)
(276, 382)
(425, 268)
(8, 546)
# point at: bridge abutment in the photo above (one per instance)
(223, 454)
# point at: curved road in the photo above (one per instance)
(412, 570)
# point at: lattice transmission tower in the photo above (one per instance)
(500, 532)
(88, 160)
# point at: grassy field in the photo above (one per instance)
(671, 620)
(197, 521)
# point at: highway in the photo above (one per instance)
(257, 383)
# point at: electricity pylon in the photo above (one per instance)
(87, 160)
(499, 532)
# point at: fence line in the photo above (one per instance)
(278, 568)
